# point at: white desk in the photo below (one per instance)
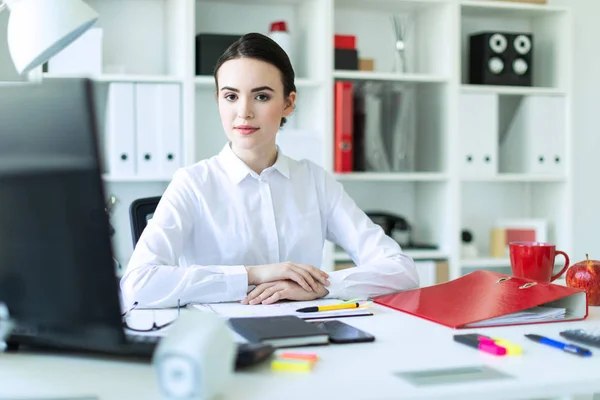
(355, 371)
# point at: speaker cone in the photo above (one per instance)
(522, 44)
(496, 65)
(498, 43)
(520, 66)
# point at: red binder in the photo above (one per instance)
(343, 126)
(474, 299)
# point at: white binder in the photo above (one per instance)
(148, 129)
(120, 130)
(535, 140)
(170, 152)
(478, 134)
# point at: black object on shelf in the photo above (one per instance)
(398, 228)
(346, 59)
(501, 58)
(466, 236)
(209, 47)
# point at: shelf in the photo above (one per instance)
(514, 178)
(403, 6)
(208, 81)
(256, 2)
(133, 179)
(504, 9)
(388, 77)
(204, 80)
(485, 262)
(512, 90)
(414, 254)
(120, 78)
(392, 176)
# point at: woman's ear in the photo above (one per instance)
(290, 101)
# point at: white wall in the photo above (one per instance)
(586, 120)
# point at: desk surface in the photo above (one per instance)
(355, 371)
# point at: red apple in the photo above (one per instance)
(586, 275)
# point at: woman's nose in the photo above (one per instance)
(245, 111)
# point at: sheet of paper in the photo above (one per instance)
(535, 314)
(235, 309)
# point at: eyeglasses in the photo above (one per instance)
(154, 326)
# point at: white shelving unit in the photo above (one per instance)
(122, 78)
(512, 90)
(108, 178)
(391, 177)
(415, 254)
(154, 40)
(485, 262)
(506, 193)
(388, 77)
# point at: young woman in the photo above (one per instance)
(249, 224)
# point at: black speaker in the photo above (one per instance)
(500, 58)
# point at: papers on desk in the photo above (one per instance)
(237, 310)
(535, 314)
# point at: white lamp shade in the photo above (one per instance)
(39, 29)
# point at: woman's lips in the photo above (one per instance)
(246, 130)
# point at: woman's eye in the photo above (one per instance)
(262, 97)
(230, 97)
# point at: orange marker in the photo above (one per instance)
(299, 356)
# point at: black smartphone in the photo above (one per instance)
(340, 332)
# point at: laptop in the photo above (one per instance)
(57, 275)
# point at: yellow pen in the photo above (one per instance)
(329, 308)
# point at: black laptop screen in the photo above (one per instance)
(56, 268)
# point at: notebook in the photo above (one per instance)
(280, 331)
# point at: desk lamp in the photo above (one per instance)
(39, 29)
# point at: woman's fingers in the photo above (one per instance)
(257, 291)
(306, 280)
(321, 276)
(274, 298)
(268, 292)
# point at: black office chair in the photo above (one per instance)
(140, 211)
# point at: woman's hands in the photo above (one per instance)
(271, 292)
(309, 278)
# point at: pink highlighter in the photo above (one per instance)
(482, 343)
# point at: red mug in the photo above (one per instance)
(535, 260)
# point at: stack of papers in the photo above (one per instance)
(535, 314)
(237, 310)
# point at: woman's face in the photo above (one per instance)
(251, 103)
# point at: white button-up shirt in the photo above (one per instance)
(218, 216)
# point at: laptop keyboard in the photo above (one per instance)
(143, 339)
(144, 345)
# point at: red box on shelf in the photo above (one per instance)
(345, 42)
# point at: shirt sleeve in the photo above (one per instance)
(381, 266)
(153, 277)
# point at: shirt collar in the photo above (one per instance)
(238, 170)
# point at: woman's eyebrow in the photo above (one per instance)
(256, 89)
(261, 88)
